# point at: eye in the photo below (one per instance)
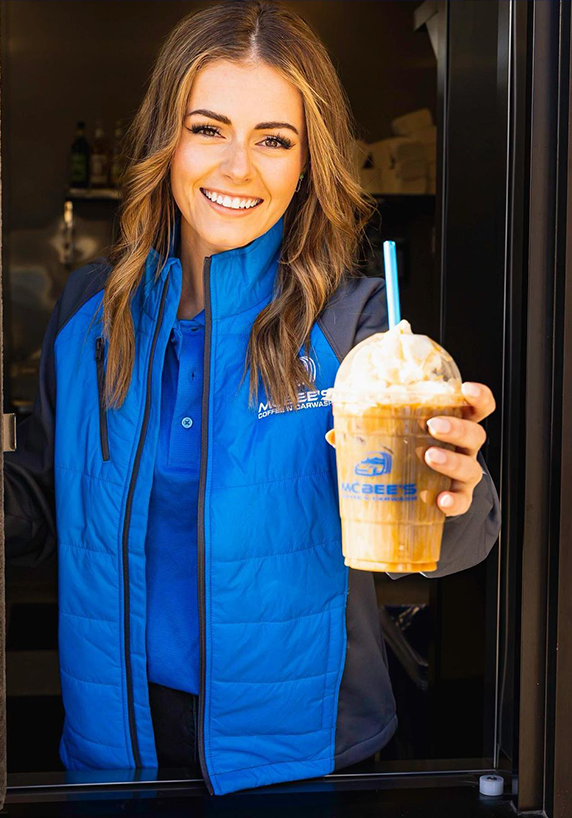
(208, 130)
(282, 141)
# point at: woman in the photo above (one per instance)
(206, 617)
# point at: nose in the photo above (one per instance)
(237, 164)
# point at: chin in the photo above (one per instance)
(227, 237)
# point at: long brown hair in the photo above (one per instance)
(323, 224)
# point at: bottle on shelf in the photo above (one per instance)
(99, 158)
(79, 158)
(116, 166)
(67, 235)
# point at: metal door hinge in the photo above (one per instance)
(9, 431)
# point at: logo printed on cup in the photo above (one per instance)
(374, 464)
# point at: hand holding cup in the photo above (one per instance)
(468, 437)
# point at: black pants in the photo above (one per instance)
(175, 717)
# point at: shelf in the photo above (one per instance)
(92, 194)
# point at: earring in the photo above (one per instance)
(299, 183)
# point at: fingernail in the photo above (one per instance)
(471, 389)
(436, 455)
(447, 501)
(439, 425)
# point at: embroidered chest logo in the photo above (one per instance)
(309, 365)
(307, 398)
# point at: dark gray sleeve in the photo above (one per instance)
(373, 315)
(357, 311)
(29, 499)
(29, 516)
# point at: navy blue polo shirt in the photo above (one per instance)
(171, 540)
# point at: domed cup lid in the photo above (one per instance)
(397, 367)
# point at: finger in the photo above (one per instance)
(455, 465)
(481, 400)
(453, 503)
(465, 434)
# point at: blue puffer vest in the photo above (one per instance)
(272, 581)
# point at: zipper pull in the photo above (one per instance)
(99, 347)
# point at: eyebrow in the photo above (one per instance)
(262, 126)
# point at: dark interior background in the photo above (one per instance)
(63, 62)
(67, 62)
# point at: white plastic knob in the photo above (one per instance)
(491, 785)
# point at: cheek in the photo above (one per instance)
(186, 167)
(281, 182)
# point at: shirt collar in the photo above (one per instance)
(192, 329)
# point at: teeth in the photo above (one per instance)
(227, 201)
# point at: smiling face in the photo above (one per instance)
(240, 154)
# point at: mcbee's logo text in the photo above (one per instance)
(306, 400)
(398, 492)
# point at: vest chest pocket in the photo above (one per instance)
(100, 365)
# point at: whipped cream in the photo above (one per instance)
(396, 365)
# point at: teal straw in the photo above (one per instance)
(391, 283)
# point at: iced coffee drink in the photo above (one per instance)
(386, 389)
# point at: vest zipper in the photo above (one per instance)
(201, 518)
(125, 539)
(99, 346)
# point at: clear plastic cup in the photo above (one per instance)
(386, 389)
